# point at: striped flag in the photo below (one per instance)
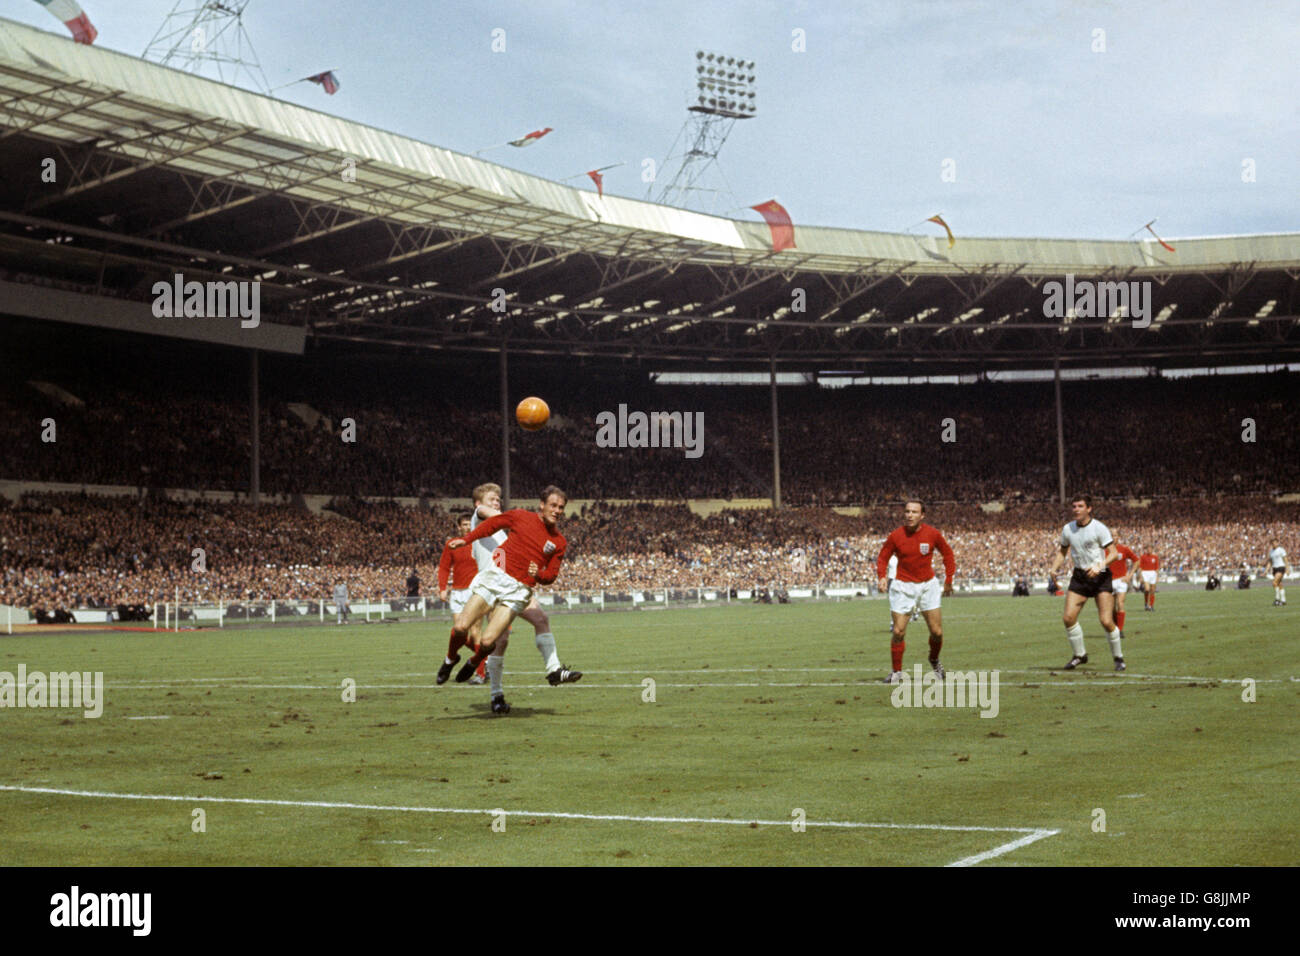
(328, 80)
(73, 17)
(778, 221)
(531, 138)
(939, 219)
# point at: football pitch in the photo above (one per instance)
(741, 735)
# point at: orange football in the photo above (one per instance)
(532, 413)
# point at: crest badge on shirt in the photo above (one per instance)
(925, 548)
(548, 548)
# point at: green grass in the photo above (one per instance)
(759, 710)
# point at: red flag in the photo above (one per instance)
(599, 180)
(327, 80)
(778, 220)
(531, 138)
(1158, 239)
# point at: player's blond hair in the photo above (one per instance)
(483, 490)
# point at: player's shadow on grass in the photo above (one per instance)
(484, 712)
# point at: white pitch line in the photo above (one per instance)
(1130, 677)
(1104, 682)
(564, 815)
(1025, 840)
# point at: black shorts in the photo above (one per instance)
(1080, 583)
(1281, 570)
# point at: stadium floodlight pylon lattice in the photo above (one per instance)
(198, 36)
(724, 93)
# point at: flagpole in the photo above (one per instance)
(305, 79)
(588, 172)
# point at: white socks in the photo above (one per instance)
(1075, 634)
(1114, 637)
(546, 647)
(495, 663)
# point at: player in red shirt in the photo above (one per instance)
(1149, 564)
(1121, 578)
(531, 555)
(460, 567)
(915, 586)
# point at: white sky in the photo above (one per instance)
(1048, 137)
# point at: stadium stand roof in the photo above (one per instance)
(362, 235)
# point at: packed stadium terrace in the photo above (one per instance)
(439, 435)
(64, 551)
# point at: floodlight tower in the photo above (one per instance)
(724, 92)
(198, 36)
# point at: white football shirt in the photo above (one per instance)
(1277, 558)
(484, 547)
(1087, 544)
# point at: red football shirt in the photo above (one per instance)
(1149, 562)
(459, 565)
(915, 553)
(529, 541)
(1119, 567)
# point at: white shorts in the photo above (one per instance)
(1119, 585)
(1148, 577)
(458, 599)
(906, 597)
(496, 587)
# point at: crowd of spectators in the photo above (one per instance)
(65, 551)
(838, 447)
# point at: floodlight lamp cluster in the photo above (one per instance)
(724, 85)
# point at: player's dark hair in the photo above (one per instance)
(465, 517)
(915, 501)
(552, 490)
(1086, 499)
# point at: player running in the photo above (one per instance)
(915, 587)
(531, 555)
(487, 504)
(1121, 578)
(1150, 565)
(1092, 547)
(460, 567)
(1277, 563)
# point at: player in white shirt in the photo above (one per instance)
(1091, 546)
(341, 608)
(891, 573)
(1277, 564)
